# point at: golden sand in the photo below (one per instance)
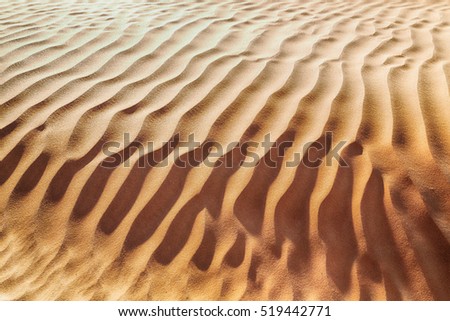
(76, 75)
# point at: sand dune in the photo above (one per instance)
(79, 224)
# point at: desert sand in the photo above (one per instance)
(75, 76)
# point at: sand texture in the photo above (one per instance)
(371, 224)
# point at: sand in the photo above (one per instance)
(370, 224)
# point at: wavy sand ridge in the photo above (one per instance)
(74, 76)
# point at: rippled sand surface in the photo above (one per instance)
(75, 76)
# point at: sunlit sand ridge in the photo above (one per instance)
(77, 75)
